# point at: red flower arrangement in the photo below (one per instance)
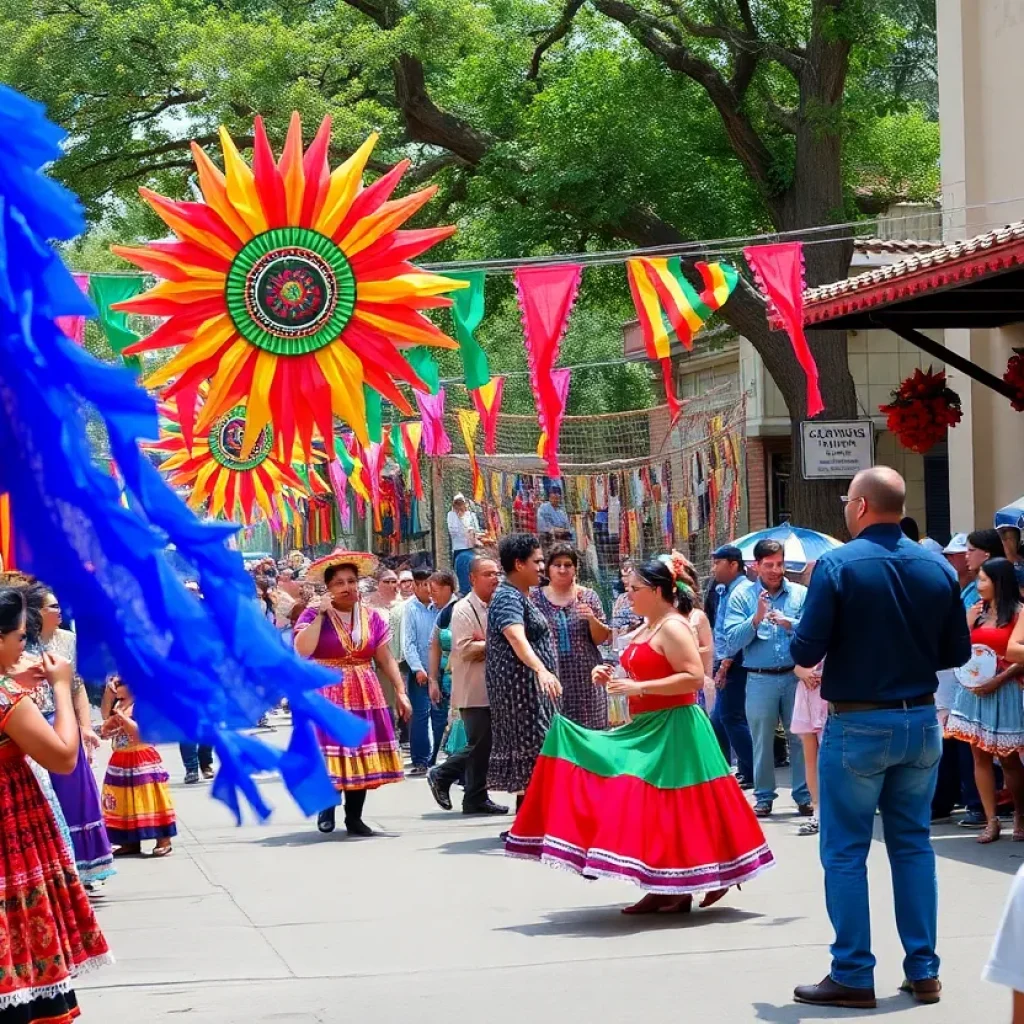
(1014, 376)
(921, 410)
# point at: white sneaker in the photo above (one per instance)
(808, 828)
(96, 890)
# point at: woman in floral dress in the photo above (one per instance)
(576, 620)
(47, 927)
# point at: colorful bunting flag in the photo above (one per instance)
(425, 365)
(7, 559)
(487, 402)
(412, 434)
(546, 297)
(779, 270)
(666, 304)
(469, 421)
(373, 459)
(468, 312)
(435, 438)
(561, 381)
(74, 326)
(104, 292)
(339, 481)
(374, 427)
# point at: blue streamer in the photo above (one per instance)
(199, 670)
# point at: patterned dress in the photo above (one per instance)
(377, 760)
(136, 793)
(582, 701)
(521, 713)
(48, 933)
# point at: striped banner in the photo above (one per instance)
(667, 305)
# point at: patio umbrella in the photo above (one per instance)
(799, 546)
(1012, 515)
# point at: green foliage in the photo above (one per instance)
(603, 133)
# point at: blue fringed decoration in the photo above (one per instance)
(199, 670)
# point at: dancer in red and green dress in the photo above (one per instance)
(652, 802)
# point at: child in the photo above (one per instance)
(809, 714)
(136, 797)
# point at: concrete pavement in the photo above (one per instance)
(430, 923)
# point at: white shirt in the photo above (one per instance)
(459, 527)
(1006, 963)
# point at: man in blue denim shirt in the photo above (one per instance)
(886, 615)
(729, 715)
(759, 621)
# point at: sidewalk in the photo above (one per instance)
(430, 923)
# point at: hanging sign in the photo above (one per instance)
(838, 450)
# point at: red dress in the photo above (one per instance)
(651, 802)
(48, 932)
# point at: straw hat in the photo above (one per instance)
(365, 563)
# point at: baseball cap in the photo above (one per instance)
(957, 544)
(729, 552)
(458, 497)
(404, 575)
(931, 545)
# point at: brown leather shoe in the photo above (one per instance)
(927, 990)
(830, 993)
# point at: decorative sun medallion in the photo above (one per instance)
(216, 474)
(288, 289)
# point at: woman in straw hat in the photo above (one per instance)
(342, 633)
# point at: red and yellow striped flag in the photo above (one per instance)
(666, 304)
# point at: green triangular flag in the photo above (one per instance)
(398, 449)
(423, 362)
(105, 291)
(468, 312)
(373, 414)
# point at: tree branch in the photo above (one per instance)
(558, 31)
(173, 100)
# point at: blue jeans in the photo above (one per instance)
(425, 717)
(888, 760)
(462, 560)
(194, 756)
(729, 718)
(769, 698)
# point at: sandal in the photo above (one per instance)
(129, 850)
(659, 903)
(162, 851)
(991, 831)
(711, 898)
(1018, 828)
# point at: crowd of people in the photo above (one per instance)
(627, 740)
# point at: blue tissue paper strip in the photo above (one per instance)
(200, 670)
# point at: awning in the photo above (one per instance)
(1012, 514)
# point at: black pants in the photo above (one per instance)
(955, 784)
(471, 761)
(354, 801)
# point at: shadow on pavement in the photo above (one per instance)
(599, 922)
(488, 844)
(794, 1013)
(953, 843)
(313, 837)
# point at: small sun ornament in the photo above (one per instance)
(216, 473)
(289, 288)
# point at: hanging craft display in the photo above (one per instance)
(667, 304)
(922, 409)
(1014, 376)
(546, 297)
(779, 270)
(217, 476)
(289, 287)
(487, 402)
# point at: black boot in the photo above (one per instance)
(354, 824)
(325, 820)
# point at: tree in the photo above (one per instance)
(551, 125)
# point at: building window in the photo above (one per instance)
(781, 466)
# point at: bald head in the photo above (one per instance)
(876, 495)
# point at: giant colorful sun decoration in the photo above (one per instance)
(289, 288)
(218, 475)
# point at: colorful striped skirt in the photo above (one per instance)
(136, 796)
(378, 759)
(48, 932)
(651, 802)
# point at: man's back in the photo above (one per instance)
(887, 614)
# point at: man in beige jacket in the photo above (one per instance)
(469, 696)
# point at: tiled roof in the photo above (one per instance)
(925, 271)
(869, 246)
